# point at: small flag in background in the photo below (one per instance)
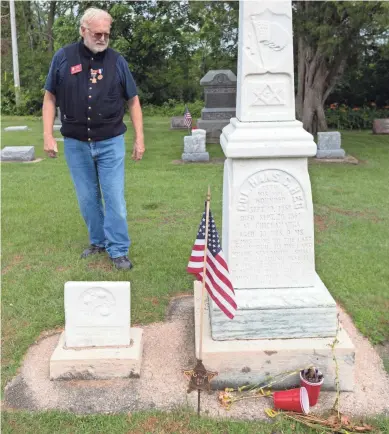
(187, 117)
(217, 277)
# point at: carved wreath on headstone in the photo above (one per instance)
(98, 302)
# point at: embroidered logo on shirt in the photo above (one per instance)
(75, 69)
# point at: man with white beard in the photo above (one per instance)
(91, 84)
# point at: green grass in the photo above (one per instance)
(177, 422)
(43, 236)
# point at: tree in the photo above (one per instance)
(328, 34)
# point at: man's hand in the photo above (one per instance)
(50, 146)
(139, 149)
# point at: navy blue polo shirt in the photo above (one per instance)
(59, 66)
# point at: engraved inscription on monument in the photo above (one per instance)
(270, 94)
(272, 240)
(267, 38)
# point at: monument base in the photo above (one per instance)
(97, 363)
(240, 362)
(278, 313)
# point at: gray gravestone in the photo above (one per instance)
(329, 145)
(381, 126)
(20, 128)
(220, 102)
(178, 123)
(57, 120)
(18, 153)
(194, 147)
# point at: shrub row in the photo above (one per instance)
(356, 118)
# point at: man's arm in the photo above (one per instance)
(137, 122)
(48, 113)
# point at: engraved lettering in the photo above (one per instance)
(270, 243)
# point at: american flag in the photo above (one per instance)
(217, 277)
(187, 117)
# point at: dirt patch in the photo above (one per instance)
(211, 161)
(47, 333)
(105, 266)
(16, 260)
(348, 159)
(370, 215)
(320, 223)
(61, 269)
(383, 351)
(153, 300)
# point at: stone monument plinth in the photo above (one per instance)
(220, 101)
(268, 229)
(98, 342)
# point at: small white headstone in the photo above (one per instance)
(97, 314)
(20, 128)
(18, 153)
(194, 146)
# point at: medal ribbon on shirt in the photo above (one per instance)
(93, 73)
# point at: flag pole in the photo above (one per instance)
(204, 271)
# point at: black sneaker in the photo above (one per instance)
(122, 263)
(92, 250)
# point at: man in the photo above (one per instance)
(91, 82)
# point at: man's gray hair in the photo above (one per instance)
(92, 14)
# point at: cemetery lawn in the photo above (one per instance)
(43, 236)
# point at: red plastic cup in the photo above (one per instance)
(313, 389)
(292, 400)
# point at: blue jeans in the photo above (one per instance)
(97, 170)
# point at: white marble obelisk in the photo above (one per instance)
(268, 226)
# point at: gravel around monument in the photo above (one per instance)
(168, 349)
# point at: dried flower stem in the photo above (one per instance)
(336, 341)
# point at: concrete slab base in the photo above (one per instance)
(240, 362)
(98, 363)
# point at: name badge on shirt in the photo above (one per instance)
(75, 69)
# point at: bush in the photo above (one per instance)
(341, 117)
(173, 107)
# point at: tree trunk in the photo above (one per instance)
(300, 78)
(313, 116)
(316, 80)
(50, 23)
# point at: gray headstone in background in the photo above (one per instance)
(21, 128)
(381, 126)
(194, 147)
(57, 120)
(220, 102)
(56, 127)
(178, 123)
(18, 153)
(329, 145)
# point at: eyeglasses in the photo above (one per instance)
(98, 36)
